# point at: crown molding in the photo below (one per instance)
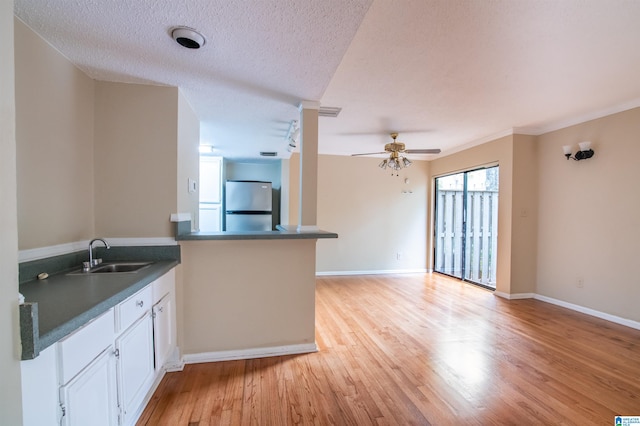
(593, 115)
(309, 105)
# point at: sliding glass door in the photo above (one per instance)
(466, 225)
(449, 222)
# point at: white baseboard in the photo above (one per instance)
(249, 353)
(514, 296)
(170, 366)
(594, 313)
(50, 251)
(175, 362)
(60, 249)
(136, 416)
(602, 315)
(374, 272)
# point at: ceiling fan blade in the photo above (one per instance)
(369, 153)
(422, 151)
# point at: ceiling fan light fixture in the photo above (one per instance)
(397, 151)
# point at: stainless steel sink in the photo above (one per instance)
(115, 267)
(119, 267)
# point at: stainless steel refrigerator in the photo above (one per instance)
(248, 205)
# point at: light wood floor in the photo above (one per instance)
(420, 349)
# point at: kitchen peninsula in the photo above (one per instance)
(247, 294)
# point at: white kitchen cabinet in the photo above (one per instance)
(104, 372)
(75, 373)
(79, 348)
(163, 338)
(90, 397)
(135, 369)
(87, 375)
(164, 322)
(128, 311)
(40, 389)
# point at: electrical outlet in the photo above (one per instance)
(580, 282)
(399, 255)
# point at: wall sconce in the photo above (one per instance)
(584, 153)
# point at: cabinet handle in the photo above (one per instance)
(116, 353)
(140, 303)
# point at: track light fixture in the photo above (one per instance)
(293, 134)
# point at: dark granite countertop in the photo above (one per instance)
(63, 303)
(280, 234)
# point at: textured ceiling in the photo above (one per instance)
(450, 74)
(445, 73)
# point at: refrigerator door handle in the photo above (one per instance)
(249, 212)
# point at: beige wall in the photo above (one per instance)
(188, 160)
(524, 214)
(10, 390)
(136, 163)
(589, 226)
(97, 158)
(309, 169)
(376, 215)
(500, 151)
(54, 130)
(236, 295)
(290, 195)
(285, 181)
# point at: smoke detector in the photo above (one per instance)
(188, 37)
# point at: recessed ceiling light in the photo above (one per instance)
(188, 37)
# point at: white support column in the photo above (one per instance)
(307, 220)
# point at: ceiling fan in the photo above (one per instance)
(395, 160)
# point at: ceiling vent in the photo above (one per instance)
(188, 37)
(329, 111)
(268, 153)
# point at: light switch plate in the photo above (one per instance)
(192, 185)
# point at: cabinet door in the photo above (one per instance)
(162, 330)
(40, 387)
(90, 397)
(135, 366)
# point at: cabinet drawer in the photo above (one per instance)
(82, 346)
(133, 308)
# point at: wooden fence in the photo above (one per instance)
(480, 236)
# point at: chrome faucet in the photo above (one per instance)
(93, 262)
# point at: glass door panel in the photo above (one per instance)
(448, 233)
(481, 227)
(466, 225)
